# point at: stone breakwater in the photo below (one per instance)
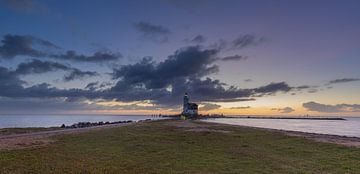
(90, 124)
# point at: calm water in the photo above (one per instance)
(7, 121)
(349, 127)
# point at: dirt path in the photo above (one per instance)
(38, 139)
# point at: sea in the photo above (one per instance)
(16, 121)
(349, 127)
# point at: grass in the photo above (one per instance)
(156, 147)
(9, 131)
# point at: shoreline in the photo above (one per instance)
(271, 117)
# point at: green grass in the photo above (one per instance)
(155, 147)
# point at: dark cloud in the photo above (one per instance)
(9, 82)
(318, 107)
(308, 88)
(284, 110)
(16, 45)
(273, 88)
(209, 106)
(163, 83)
(344, 80)
(190, 61)
(233, 58)
(241, 107)
(137, 107)
(198, 39)
(96, 57)
(238, 43)
(78, 74)
(248, 80)
(312, 90)
(25, 45)
(303, 87)
(234, 100)
(246, 41)
(153, 32)
(92, 86)
(38, 67)
(185, 71)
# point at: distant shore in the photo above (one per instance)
(259, 117)
(271, 117)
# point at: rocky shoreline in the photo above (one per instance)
(91, 124)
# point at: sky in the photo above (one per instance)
(258, 57)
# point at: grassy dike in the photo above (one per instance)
(165, 147)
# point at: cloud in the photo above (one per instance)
(190, 61)
(162, 83)
(153, 32)
(209, 106)
(273, 87)
(26, 45)
(9, 82)
(198, 39)
(284, 110)
(16, 45)
(304, 87)
(138, 107)
(233, 58)
(184, 71)
(241, 107)
(318, 107)
(37, 67)
(78, 74)
(343, 80)
(234, 100)
(248, 80)
(92, 86)
(246, 41)
(44, 105)
(96, 57)
(312, 90)
(238, 43)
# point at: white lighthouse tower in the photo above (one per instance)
(186, 103)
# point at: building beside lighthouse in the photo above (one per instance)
(189, 109)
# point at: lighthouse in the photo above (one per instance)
(186, 102)
(189, 109)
